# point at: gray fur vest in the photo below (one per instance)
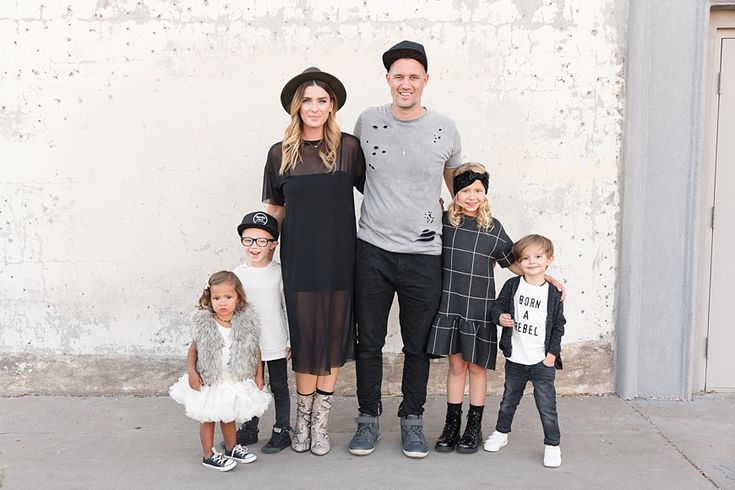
(243, 351)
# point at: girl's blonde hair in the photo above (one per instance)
(455, 212)
(221, 277)
(293, 138)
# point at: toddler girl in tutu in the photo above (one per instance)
(224, 382)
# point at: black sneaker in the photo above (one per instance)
(247, 435)
(241, 454)
(280, 440)
(218, 461)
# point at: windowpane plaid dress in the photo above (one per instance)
(463, 323)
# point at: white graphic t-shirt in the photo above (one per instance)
(529, 331)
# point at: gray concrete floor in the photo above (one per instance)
(67, 442)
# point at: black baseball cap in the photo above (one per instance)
(405, 49)
(259, 219)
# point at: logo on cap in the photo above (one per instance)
(260, 219)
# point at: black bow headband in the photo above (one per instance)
(467, 178)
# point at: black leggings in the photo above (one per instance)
(278, 383)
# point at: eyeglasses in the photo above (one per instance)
(261, 242)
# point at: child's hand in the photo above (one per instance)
(259, 381)
(550, 359)
(554, 282)
(505, 320)
(195, 381)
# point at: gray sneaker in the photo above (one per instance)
(366, 436)
(412, 437)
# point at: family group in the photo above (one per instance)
(328, 300)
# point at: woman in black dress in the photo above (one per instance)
(308, 186)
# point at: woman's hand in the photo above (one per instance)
(506, 320)
(195, 381)
(259, 381)
(277, 212)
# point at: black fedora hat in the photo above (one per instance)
(313, 73)
(405, 49)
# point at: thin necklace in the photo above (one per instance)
(408, 145)
(311, 143)
(226, 322)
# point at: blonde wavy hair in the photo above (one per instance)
(293, 138)
(455, 212)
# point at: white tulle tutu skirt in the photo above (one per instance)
(224, 402)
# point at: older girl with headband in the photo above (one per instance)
(308, 186)
(473, 242)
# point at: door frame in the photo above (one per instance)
(721, 25)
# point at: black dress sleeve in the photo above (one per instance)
(503, 254)
(272, 180)
(360, 170)
(355, 160)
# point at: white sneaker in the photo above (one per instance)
(495, 441)
(552, 456)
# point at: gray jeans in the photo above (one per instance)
(542, 378)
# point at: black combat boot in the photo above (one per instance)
(472, 437)
(450, 435)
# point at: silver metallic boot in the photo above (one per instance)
(319, 420)
(301, 437)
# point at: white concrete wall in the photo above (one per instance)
(133, 136)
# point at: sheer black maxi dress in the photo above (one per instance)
(318, 242)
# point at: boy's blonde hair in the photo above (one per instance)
(455, 213)
(532, 240)
(221, 277)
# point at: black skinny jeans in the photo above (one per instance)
(278, 383)
(416, 278)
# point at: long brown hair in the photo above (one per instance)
(293, 138)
